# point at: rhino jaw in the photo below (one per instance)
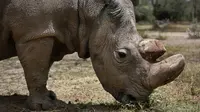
(165, 71)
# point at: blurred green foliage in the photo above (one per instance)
(174, 10)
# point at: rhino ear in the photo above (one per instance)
(135, 2)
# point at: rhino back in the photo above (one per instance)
(32, 19)
(69, 21)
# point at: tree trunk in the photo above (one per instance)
(194, 12)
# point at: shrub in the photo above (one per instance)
(144, 13)
(194, 31)
(161, 24)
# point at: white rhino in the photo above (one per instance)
(40, 32)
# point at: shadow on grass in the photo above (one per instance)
(16, 103)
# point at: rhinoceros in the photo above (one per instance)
(41, 32)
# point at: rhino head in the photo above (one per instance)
(123, 61)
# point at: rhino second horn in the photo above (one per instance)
(165, 71)
(151, 49)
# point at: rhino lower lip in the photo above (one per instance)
(125, 99)
(129, 99)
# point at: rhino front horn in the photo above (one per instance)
(165, 71)
(151, 49)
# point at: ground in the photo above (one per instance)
(75, 83)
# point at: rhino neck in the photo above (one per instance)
(88, 12)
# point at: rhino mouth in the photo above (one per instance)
(130, 99)
(126, 98)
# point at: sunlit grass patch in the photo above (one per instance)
(170, 28)
(161, 37)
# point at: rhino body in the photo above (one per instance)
(40, 32)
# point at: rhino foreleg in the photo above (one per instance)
(35, 57)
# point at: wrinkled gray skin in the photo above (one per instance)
(40, 32)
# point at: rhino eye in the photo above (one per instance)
(120, 54)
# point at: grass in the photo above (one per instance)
(161, 37)
(171, 27)
(144, 34)
(158, 36)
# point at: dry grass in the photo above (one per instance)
(75, 83)
(170, 28)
